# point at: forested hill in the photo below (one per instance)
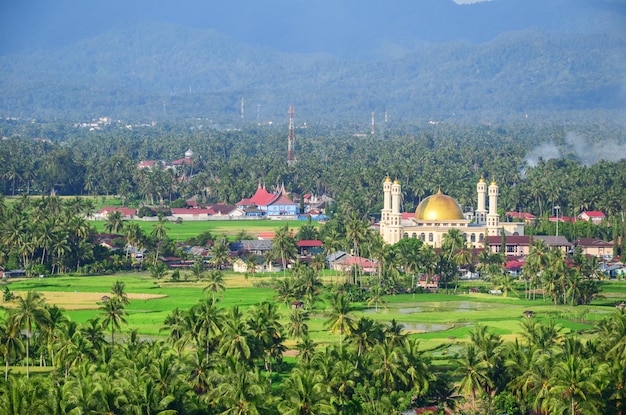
(156, 71)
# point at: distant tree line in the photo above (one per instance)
(229, 164)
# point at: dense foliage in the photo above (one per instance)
(575, 167)
(218, 360)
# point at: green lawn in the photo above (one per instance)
(185, 230)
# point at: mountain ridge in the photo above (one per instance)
(157, 70)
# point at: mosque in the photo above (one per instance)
(438, 213)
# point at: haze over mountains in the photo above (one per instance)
(336, 61)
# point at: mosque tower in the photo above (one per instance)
(395, 218)
(493, 220)
(386, 212)
(481, 209)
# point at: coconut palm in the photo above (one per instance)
(365, 334)
(114, 222)
(219, 253)
(471, 368)
(159, 232)
(10, 344)
(215, 284)
(305, 394)
(339, 316)
(117, 289)
(284, 246)
(209, 319)
(29, 312)
(575, 384)
(236, 336)
(297, 326)
(112, 310)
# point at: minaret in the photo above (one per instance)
(386, 212)
(481, 209)
(395, 218)
(493, 220)
(291, 152)
(373, 129)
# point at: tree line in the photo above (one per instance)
(229, 164)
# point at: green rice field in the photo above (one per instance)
(437, 319)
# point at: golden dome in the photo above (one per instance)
(482, 179)
(438, 207)
(387, 179)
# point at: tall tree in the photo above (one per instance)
(29, 312)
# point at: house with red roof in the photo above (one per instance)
(347, 262)
(595, 216)
(309, 247)
(522, 216)
(273, 204)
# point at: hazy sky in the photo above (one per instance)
(295, 25)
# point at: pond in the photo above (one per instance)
(425, 327)
(452, 306)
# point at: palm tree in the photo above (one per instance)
(113, 313)
(305, 394)
(241, 393)
(215, 283)
(576, 381)
(250, 260)
(365, 334)
(297, 326)
(10, 344)
(472, 370)
(339, 317)
(209, 320)
(118, 292)
(284, 246)
(219, 253)
(29, 312)
(376, 296)
(159, 232)
(387, 363)
(114, 222)
(452, 242)
(235, 341)
(417, 366)
(134, 236)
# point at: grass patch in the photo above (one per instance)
(185, 230)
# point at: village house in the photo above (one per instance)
(595, 247)
(271, 204)
(519, 245)
(596, 217)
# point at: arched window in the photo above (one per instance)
(430, 237)
(413, 235)
(465, 237)
(481, 237)
(406, 235)
(423, 237)
(473, 237)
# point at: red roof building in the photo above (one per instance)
(272, 203)
(595, 217)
